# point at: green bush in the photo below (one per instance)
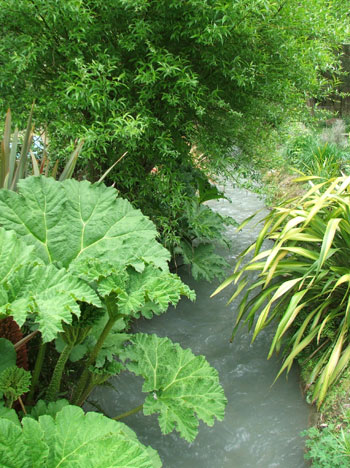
(300, 148)
(78, 265)
(325, 161)
(188, 228)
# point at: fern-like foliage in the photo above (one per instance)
(182, 388)
(207, 225)
(203, 230)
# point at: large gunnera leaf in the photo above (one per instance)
(13, 254)
(84, 235)
(148, 292)
(183, 388)
(28, 286)
(145, 292)
(72, 440)
(49, 294)
(70, 221)
(205, 263)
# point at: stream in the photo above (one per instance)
(262, 421)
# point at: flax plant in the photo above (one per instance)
(303, 282)
(18, 161)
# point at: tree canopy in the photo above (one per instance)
(158, 78)
(154, 77)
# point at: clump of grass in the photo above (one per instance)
(325, 154)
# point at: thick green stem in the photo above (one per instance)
(128, 413)
(9, 402)
(55, 384)
(36, 373)
(90, 384)
(83, 383)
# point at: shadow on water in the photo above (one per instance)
(262, 422)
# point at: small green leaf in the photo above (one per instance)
(10, 414)
(14, 381)
(51, 408)
(7, 353)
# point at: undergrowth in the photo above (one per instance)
(328, 441)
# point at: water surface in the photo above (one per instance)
(262, 422)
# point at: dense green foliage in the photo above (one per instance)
(328, 442)
(157, 75)
(303, 281)
(178, 85)
(71, 439)
(184, 89)
(78, 264)
(328, 448)
(320, 151)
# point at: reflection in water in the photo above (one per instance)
(262, 422)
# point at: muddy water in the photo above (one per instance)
(262, 423)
